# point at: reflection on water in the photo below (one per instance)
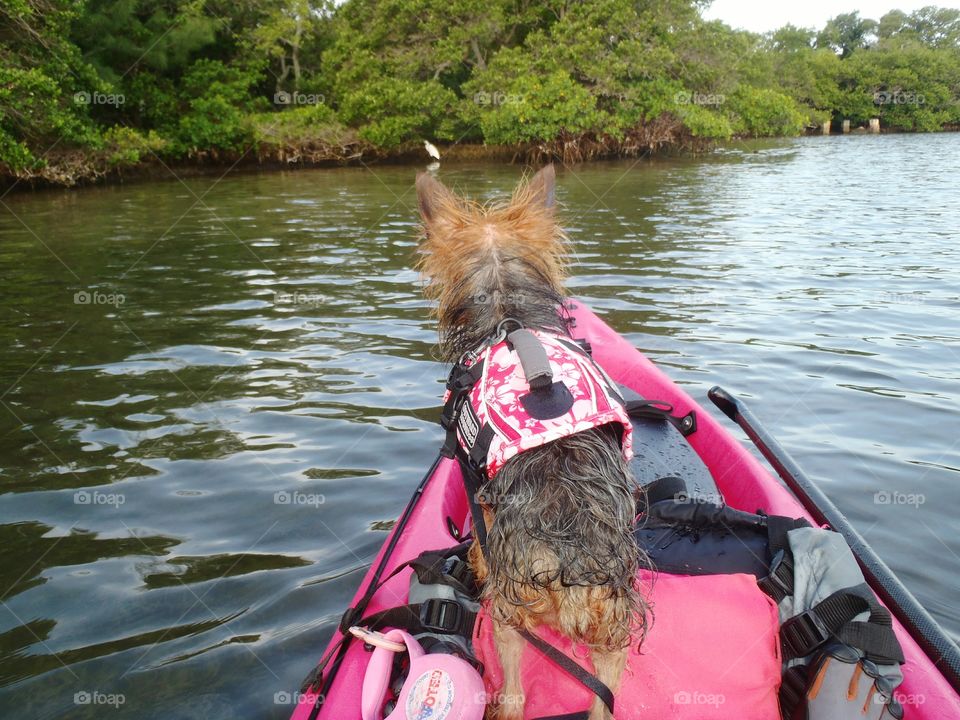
(217, 396)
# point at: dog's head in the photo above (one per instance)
(483, 263)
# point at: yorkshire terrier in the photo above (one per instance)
(560, 517)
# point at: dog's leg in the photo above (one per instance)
(609, 669)
(509, 704)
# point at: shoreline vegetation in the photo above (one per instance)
(127, 89)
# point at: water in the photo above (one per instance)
(195, 478)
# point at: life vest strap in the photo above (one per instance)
(460, 382)
(472, 479)
(573, 669)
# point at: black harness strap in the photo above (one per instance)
(778, 583)
(574, 670)
(878, 642)
(446, 568)
(461, 380)
(834, 617)
(471, 482)
(436, 615)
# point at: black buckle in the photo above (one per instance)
(459, 570)
(440, 615)
(779, 583)
(449, 422)
(802, 634)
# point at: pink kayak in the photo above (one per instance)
(438, 517)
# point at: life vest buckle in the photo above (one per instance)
(441, 615)
(778, 584)
(803, 633)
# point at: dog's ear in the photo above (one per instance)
(542, 187)
(435, 201)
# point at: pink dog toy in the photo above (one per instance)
(438, 686)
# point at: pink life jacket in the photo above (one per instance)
(712, 652)
(533, 388)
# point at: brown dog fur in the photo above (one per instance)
(561, 551)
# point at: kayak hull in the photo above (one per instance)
(744, 482)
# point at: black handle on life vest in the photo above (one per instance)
(533, 359)
(938, 646)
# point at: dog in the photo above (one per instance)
(559, 517)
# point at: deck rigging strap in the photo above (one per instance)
(833, 617)
(660, 410)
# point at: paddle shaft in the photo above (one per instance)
(938, 646)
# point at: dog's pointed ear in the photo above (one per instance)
(542, 187)
(435, 200)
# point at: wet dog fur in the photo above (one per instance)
(561, 550)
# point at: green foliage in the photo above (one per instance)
(40, 75)
(765, 113)
(704, 122)
(162, 35)
(302, 126)
(535, 108)
(389, 111)
(120, 81)
(909, 87)
(847, 33)
(217, 101)
(126, 146)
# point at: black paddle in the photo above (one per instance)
(938, 646)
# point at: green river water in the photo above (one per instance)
(176, 358)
